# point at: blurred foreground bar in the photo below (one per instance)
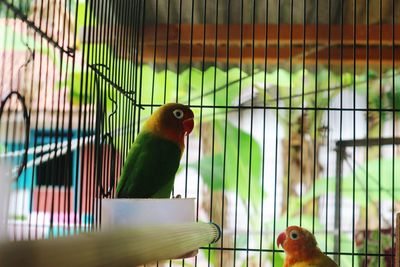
(124, 247)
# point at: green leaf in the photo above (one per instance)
(22, 5)
(80, 20)
(379, 178)
(238, 170)
(284, 78)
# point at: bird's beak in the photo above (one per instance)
(281, 239)
(188, 125)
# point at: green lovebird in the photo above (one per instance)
(150, 167)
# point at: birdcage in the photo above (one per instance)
(296, 118)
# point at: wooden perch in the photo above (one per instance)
(124, 247)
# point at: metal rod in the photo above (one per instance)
(338, 189)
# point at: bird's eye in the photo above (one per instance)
(294, 235)
(178, 113)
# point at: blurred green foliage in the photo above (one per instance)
(225, 169)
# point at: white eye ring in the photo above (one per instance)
(294, 235)
(178, 113)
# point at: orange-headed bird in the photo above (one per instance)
(301, 249)
(153, 160)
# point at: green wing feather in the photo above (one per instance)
(150, 168)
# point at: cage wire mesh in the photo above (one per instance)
(296, 113)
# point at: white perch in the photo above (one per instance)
(119, 247)
(149, 211)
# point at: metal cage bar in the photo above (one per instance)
(296, 113)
